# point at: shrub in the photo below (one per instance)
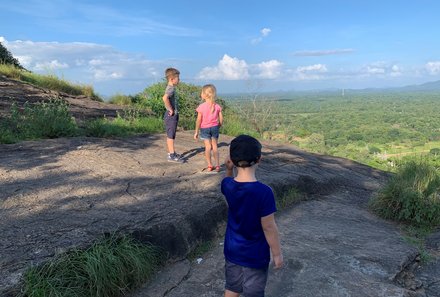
(121, 99)
(188, 100)
(42, 120)
(412, 195)
(435, 151)
(374, 150)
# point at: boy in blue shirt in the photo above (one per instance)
(251, 232)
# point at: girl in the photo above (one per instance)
(209, 120)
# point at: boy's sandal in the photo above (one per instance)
(217, 168)
(209, 168)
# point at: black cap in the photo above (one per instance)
(245, 151)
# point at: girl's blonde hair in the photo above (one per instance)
(211, 94)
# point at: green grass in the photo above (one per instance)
(416, 236)
(110, 267)
(50, 82)
(52, 119)
(201, 249)
(411, 196)
(123, 126)
(42, 120)
(234, 125)
(286, 198)
(121, 99)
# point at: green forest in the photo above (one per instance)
(375, 128)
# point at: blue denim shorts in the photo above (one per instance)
(208, 133)
(245, 280)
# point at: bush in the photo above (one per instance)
(42, 120)
(188, 100)
(435, 151)
(121, 99)
(412, 195)
(374, 150)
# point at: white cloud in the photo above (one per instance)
(312, 68)
(228, 68)
(433, 68)
(269, 70)
(324, 52)
(382, 69)
(375, 70)
(83, 62)
(311, 72)
(264, 33)
(51, 65)
(395, 71)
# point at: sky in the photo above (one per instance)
(122, 47)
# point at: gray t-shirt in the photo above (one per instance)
(172, 96)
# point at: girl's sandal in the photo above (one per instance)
(217, 168)
(209, 169)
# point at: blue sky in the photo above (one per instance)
(240, 46)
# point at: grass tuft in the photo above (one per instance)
(111, 267)
(130, 123)
(411, 196)
(288, 197)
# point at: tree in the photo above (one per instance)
(7, 58)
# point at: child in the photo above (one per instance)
(171, 116)
(209, 120)
(251, 232)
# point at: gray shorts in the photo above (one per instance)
(250, 282)
(171, 124)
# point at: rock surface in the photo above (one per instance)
(64, 193)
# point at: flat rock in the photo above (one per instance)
(61, 194)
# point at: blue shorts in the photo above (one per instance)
(171, 124)
(208, 133)
(250, 282)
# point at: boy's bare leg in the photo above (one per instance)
(208, 151)
(170, 145)
(231, 294)
(215, 151)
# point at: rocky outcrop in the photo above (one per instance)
(60, 194)
(81, 107)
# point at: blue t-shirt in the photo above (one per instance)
(248, 202)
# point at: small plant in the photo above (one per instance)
(416, 236)
(110, 267)
(288, 198)
(435, 151)
(200, 249)
(411, 196)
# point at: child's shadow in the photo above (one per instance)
(192, 152)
